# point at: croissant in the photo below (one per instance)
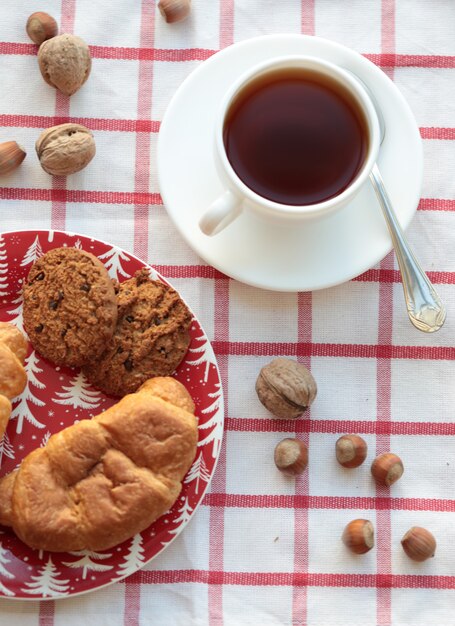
(13, 378)
(101, 481)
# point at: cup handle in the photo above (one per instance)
(220, 213)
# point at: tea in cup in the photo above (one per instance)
(295, 137)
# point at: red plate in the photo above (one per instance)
(57, 397)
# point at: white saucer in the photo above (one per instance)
(311, 255)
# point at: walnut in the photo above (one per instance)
(286, 388)
(65, 149)
(65, 63)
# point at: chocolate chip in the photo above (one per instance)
(119, 350)
(85, 287)
(157, 321)
(129, 318)
(39, 328)
(128, 365)
(63, 333)
(39, 276)
(53, 304)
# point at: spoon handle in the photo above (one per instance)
(425, 309)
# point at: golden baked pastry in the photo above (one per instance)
(5, 412)
(101, 481)
(14, 339)
(12, 373)
(6, 493)
(13, 378)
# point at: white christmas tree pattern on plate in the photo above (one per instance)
(112, 260)
(47, 582)
(6, 449)
(55, 398)
(4, 572)
(88, 561)
(203, 355)
(23, 409)
(134, 558)
(185, 513)
(79, 394)
(3, 269)
(198, 472)
(215, 423)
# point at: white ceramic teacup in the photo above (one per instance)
(237, 196)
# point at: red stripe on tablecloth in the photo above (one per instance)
(434, 132)
(62, 110)
(94, 123)
(120, 53)
(436, 204)
(201, 54)
(127, 197)
(46, 613)
(144, 106)
(221, 331)
(151, 54)
(304, 502)
(301, 528)
(307, 24)
(339, 426)
(141, 189)
(343, 350)
(286, 579)
(390, 60)
(189, 271)
(147, 126)
(216, 523)
(394, 276)
(384, 376)
(82, 195)
(226, 23)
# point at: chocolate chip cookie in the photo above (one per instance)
(70, 306)
(151, 337)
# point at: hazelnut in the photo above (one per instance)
(41, 26)
(291, 456)
(419, 544)
(65, 63)
(174, 10)
(11, 156)
(358, 536)
(387, 468)
(286, 388)
(351, 450)
(65, 149)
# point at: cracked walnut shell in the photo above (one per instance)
(65, 62)
(65, 149)
(286, 388)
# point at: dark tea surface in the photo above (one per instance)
(295, 137)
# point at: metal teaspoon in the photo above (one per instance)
(425, 308)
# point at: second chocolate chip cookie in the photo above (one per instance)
(151, 337)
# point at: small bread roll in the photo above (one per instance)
(6, 494)
(170, 390)
(13, 377)
(14, 339)
(99, 482)
(5, 412)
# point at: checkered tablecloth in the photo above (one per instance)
(264, 550)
